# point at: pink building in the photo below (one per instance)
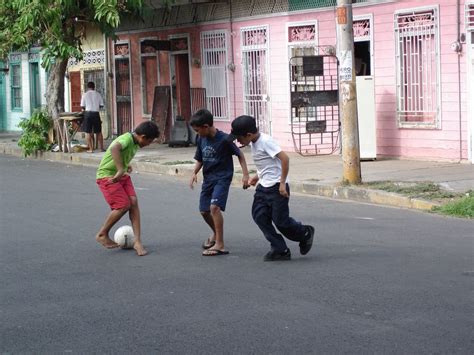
(414, 62)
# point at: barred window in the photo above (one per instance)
(16, 97)
(214, 72)
(417, 55)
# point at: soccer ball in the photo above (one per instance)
(124, 237)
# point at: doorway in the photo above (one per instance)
(180, 86)
(363, 67)
(471, 92)
(35, 88)
(3, 98)
(180, 79)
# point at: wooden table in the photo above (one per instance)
(66, 126)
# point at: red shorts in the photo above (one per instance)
(117, 194)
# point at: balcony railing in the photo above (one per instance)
(295, 5)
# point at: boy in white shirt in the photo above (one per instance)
(270, 204)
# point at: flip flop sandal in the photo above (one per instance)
(214, 252)
(209, 245)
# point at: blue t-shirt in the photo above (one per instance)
(216, 156)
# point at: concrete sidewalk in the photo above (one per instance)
(319, 175)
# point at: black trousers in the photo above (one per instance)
(270, 208)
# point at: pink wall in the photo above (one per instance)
(437, 144)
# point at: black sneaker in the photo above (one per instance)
(305, 246)
(276, 256)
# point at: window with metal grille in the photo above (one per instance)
(97, 77)
(214, 72)
(15, 78)
(417, 58)
(123, 87)
(302, 42)
(149, 76)
(470, 17)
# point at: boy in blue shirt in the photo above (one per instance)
(214, 155)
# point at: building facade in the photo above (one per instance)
(23, 81)
(22, 88)
(414, 63)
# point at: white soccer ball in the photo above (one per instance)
(124, 237)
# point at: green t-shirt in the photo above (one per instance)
(107, 166)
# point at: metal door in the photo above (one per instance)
(255, 75)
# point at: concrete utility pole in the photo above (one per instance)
(347, 93)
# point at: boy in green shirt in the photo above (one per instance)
(114, 181)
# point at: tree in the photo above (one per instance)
(58, 26)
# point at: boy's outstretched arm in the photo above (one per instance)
(285, 168)
(245, 171)
(194, 179)
(117, 158)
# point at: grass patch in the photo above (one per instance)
(425, 190)
(456, 204)
(463, 207)
(178, 162)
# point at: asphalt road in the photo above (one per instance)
(378, 280)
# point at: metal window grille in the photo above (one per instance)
(254, 70)
(16, 85)
(417, 56)
(361, 30)
(214, 72)
(470, 17)
(302, 42)
(97, 77)
(122, 88)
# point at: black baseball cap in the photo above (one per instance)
(241, 126)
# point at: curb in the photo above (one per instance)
(351, 193)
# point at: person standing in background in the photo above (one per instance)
(91, 103)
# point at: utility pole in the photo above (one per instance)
(347, 93)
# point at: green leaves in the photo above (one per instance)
(107, 11)
(35, 133)
(58, 25)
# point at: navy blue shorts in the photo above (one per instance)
(214, 193)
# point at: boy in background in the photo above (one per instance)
(270, 204)
(116, 185)
(214, 155)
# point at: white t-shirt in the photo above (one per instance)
(92, 101)
(264, 152)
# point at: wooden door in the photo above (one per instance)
(75, 79)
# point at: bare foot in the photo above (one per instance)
(106, 241)
(140, 249)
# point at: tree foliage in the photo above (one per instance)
(34, 137)
(58, 27)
